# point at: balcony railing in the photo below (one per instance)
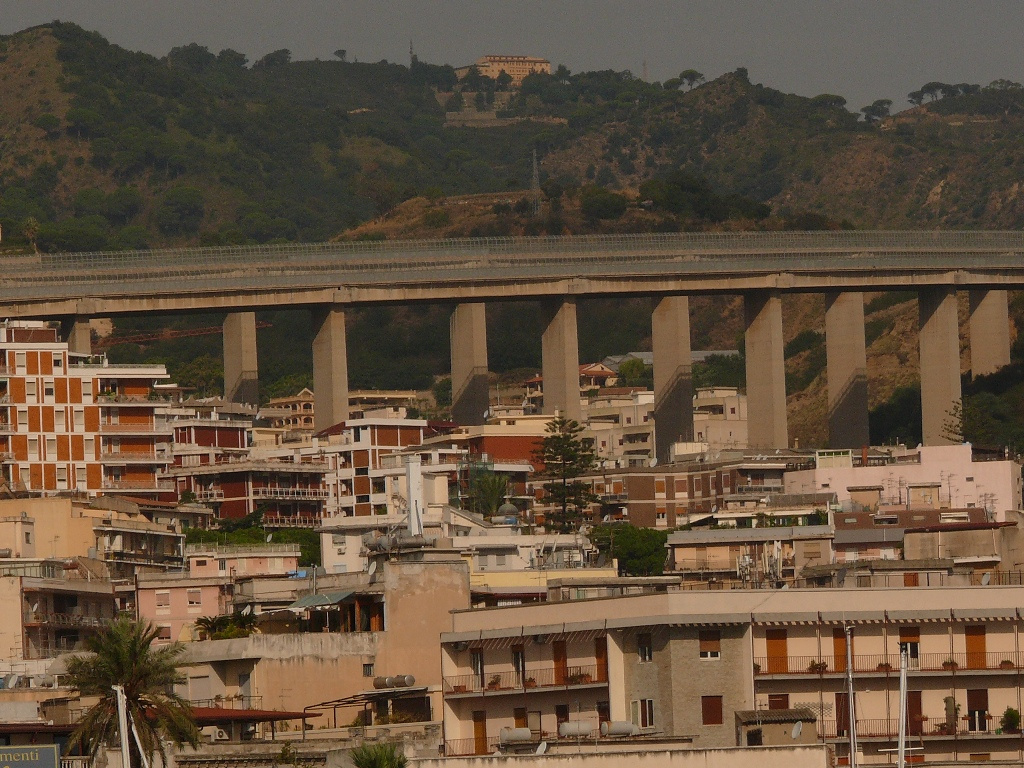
(6, 428)
(545, 677)
(64, 619)
(209, 494)
(299, 494)
(127, 457)
(136, 485)
(889, 663)
(291, 521)
(981, 725)
(157, 428)
(230, 702)
(464, 747)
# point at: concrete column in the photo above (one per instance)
(940, 363)
(561, 359)
(673, 382)
(990, 331)
(847, 362)
(766, 371)
(470, 385)
(330, 368)
(77, 333)
(241, 374)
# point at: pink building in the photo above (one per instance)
(205, 560)
(173, 602)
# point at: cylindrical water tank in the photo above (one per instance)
(574, 728)
(381, 682)
(514, 735)
(394, 681)
(618, 728)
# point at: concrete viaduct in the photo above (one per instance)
(557, 271)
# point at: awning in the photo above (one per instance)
(854, 617)
(319, 600)
(985, 614)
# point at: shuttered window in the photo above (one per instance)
(711, 710)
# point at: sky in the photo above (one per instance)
(860, 49)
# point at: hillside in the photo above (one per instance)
(103, 148)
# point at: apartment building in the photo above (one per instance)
(938, 476)
(697, 663)
(50, 606)
(69, 422)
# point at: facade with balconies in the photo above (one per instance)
(691, 663)
(71, 422)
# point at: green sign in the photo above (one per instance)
(30, 756)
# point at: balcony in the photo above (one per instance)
(466, 747)
(889, 664)
(128, 400)
(291, 494)
(41, 618)
(230, 702)
(7, 428)
(291, 521)
(125, 457)
(151, 486)
(153, 428)
(511, 681)
(985, 725)
(6, 456)
(209, 494)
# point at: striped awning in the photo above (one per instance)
(919, 616)
(985, 614)
(853, 617)
(791, 619)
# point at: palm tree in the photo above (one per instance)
(208, 626)
(380, 755)
(122, 654)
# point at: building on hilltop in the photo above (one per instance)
(517, 67)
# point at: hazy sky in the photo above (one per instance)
(860, 49)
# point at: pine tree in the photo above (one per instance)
(565, 456)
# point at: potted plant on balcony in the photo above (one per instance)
(494, 683)
(950, 664)
(1006, 664)
(530, 682)
(757, 668)
(1010, 720)
(818, 667)
(885, 666)
(580, 678)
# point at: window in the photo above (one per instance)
(51, 448)
(86, 390)
(368, 670)
(711, 710)
(641, 712)
(22, 419)
(778, 701)
(30, 390)
(47, 390)
(519, 665)
(58, 362)
(163, 632)
(62, 478)
(20, 362)
(89, 448)
(28, 537)
(33, 448)
(499, 559)
(200, 563)
(710, 644)
(222, 565)
(644, 647)
(910, 641)
(195, 598)
(476, 662)
(79, 420)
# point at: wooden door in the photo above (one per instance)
(561, 661)
(479, 732)
(842, 715)
(778, 653)
(977, 709)
(601, 658)
(915, 715)
(519, 715)
(839, 650)
(975, 636)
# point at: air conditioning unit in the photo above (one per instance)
(221, 735)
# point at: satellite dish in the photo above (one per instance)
(12, 681)
(714, 508)
(35, 607)
(841, 576)
(372, 569)
(542, 748)
(269, 537)
(247, 610)
(602, 559)
(784, 586)
(986, 579)
(798, 729)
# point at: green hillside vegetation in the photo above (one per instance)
(103, 148)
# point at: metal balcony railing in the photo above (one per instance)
(540, 677)
(299, 494)
(886, 664)
(230, 702)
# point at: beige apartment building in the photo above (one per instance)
(517, 67)
(698, 664)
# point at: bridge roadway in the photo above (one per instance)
(482, 269)
(761, 266)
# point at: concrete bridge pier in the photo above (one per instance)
(470, 385)
(76, 332)
(673, 382)
(990, 331)
(940, 364)
(847, 370)
(241, 373)
(766, 370)
(561, 359)
(330, 367)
